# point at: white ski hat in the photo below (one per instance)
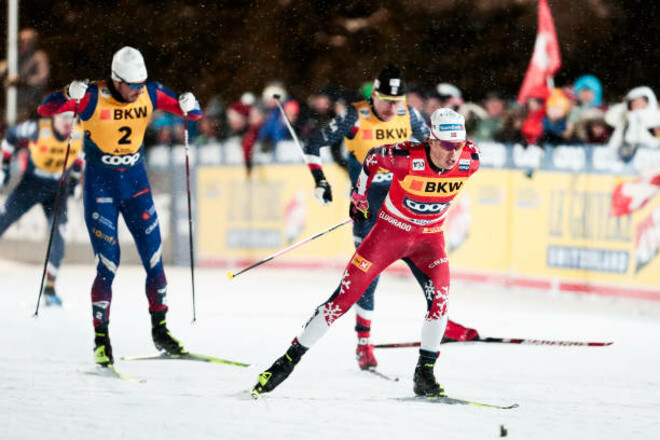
(447, 125)
(128, 66)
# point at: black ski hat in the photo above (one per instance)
(389, 84)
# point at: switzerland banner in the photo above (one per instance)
(546, 60)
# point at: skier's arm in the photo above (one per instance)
(26, 131)
(394, 158)
(59, 102)
(420, 131)
(166, 100)
(341, 126)
(475, 152)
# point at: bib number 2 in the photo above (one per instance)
(125, 139)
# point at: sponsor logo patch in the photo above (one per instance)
(432, 230)
(399, 224)
(464, 165)
(418, 164)
(151, 227)
(361, 263)
(102, 220)
(130, 113)
(425, 186)
(105, 237)
(438, 262)
(118, 161)
(424, 208)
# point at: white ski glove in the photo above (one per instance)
(187, 102)
(77, 90)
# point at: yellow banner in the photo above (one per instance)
(553, 226)
(251, 218)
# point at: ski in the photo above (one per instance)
(381, 375)
(506, 341)
(112, 371)
(256, 395)
(452, 401)
(187, 356)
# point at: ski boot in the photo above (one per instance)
(365, 355)
(455, 332)
(50, 297)
(424, 379)
(280, 370)
(163, 339)
(102, 348)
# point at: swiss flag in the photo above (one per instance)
(546, 60)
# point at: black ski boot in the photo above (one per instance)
(280, 370)
(424, 379)
(163, 339)
(50, 297)
(102, 348)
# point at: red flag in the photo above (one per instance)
(546, 60)
(631, 196)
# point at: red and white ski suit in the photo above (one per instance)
(408, 228)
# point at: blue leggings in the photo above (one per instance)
(30, 191)
(109, 192)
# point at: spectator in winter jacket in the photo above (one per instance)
(586, 115)
(274, 128)
(636, 122)
(556, 128)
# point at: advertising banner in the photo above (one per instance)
(251, 218)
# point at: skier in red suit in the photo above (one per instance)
(427, 177)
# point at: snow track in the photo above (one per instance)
(564, 392)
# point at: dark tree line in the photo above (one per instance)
(227, 47)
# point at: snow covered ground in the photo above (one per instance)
(563, 392)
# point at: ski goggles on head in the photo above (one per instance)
(450, 145)
(388, 98)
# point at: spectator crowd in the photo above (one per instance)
(575, 113)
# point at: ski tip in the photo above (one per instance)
(230, 275)
(256, 395)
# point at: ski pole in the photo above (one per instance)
(290, 127)
(190, 219)
(58, 201)
(506, 341)
(231, 275)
